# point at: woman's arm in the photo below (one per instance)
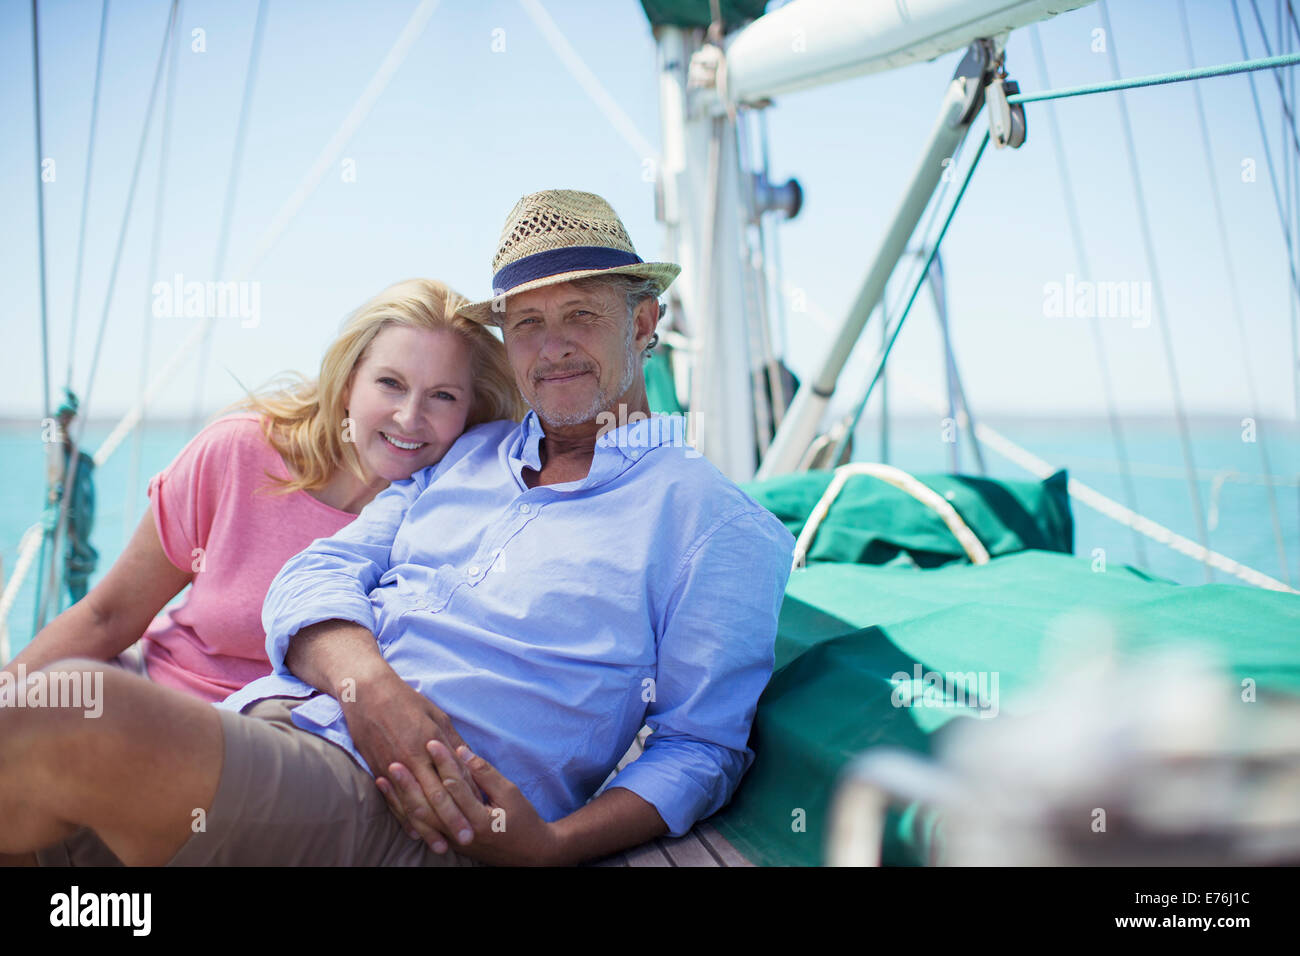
(117, 611)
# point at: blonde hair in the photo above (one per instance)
(303, 420)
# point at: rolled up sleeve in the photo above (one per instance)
(715, 657)
(332, 579)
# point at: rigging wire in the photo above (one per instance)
(40, 206)
(1282, 215)
(917, 261)
(40, 256)
(160, 196)
(1081, 253)
(1281, 92)
(228, 205)
(85, 193)
(1233, 288)
(287, 212)
(1295, 218)
(883, 356)
(774, 257)
(73, 461)
(590, 83)
(168, 35)
(1166, 337)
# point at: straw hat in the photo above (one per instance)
(557, 236)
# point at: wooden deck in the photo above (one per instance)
(703, 846)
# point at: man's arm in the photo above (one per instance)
(332, 578)
(616, 820)
(320, 628)
(389, 722)
(714, 659)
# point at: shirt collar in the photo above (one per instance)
(618, 448)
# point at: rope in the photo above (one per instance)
(900, 479)
(1081, 252)
(85, 192)
(916, 288)
(1116, 511)
(1159, 79)
(1171, 472)
(1157, 287)
(1233, 288)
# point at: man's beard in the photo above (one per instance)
(604, 401)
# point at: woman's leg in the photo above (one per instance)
(135, 774)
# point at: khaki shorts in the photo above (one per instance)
(286, 797)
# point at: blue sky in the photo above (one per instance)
(462, 131)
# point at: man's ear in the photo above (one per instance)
(646, 319)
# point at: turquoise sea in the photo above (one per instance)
(1243, 530)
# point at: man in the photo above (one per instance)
(537, 595)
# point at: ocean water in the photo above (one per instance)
(1229, 478)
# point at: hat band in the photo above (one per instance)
(554, 262)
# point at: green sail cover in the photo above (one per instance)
(696, 13)
(872, 522)
(847, 630)
(660, 390)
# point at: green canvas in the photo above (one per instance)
(846, 630)
(872, 522)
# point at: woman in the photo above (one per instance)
(398, 386)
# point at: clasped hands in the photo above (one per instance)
(439, 791)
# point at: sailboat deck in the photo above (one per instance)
(703, 846)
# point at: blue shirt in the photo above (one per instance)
(551, 623)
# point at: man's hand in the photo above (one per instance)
(508, 830)
(390, 722)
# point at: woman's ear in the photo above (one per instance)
(345, 399)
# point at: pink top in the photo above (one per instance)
(218, 516)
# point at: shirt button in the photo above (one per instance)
(474, 571)
(525, 508)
